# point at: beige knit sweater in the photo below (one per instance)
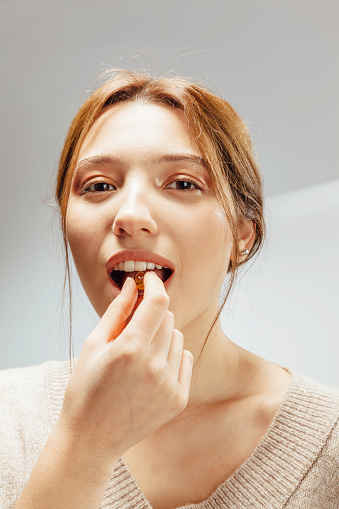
(295, 466)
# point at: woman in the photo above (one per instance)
(160, 201)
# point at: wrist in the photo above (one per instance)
(66, 475)
(85, 453)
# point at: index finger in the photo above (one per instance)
(151, 311)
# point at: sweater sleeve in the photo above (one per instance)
(320, 484)
(24, 428)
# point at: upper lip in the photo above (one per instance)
(140, 255)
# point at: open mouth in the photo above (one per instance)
(120, 276)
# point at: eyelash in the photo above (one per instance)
(87, 189)
(185, 179)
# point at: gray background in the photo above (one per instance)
(275, 61)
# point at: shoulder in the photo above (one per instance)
(18, 385)
(30, 401)
(322, 400)
(313, 408)
(297, 460)
(322, 403)
(28, 393)
(15, 379)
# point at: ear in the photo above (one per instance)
(246, 238)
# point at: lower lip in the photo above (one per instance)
(116, 289)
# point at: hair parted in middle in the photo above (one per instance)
(216, 131)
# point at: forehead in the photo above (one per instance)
(138, 128)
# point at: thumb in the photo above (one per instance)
(113, 321)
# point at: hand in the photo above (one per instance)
(129, 379)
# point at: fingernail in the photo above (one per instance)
(150, 274)
(126, 284)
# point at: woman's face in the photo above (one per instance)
(140, 191)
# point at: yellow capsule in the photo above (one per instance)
(139, 279)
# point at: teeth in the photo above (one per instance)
(129, 266)
(132, 266)
(139, 265)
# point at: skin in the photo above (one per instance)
(143, 210)
(146, 209)
(119, 392)
(130, 392)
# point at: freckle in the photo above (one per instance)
(139, 279)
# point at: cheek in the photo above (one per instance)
(82, 234)
(207, 243)
(205, 248)
(214, 238)
(85, 238)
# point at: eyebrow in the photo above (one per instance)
(190, 159)
(94, 160)
(181, 158)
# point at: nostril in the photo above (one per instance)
(117, 230)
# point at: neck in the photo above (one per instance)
(218, 371)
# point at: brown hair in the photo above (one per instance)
(216, 130)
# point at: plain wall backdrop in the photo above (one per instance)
(275, 61)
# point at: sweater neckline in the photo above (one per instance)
(269, 477)
(283, 456)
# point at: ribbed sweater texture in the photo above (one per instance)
(295, 465)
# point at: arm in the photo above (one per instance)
(128, 381)
(65, 476)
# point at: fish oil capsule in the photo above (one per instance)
(139, 280)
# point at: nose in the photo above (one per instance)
(134, 215)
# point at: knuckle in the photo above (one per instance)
(116, 309)
(189, 356)
(160, 300)
(155, 370)
(178, 334)
(170, 314)
(128, 354)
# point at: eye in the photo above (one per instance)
(183, 185)
(98, 187)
